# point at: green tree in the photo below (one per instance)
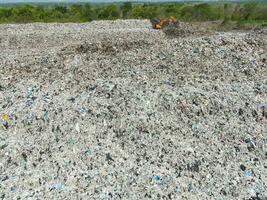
(139, 12)
(248, 10)
(24, 14)
(126, 9)
(109, 12)
(62, 9)
(88, 13)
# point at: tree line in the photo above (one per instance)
(251, 12)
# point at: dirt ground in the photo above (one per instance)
(117, 110)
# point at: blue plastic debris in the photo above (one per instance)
(45, 116)
(248, 174)
(81, 110)
(30, 96)
(195, 126)
(58, 186)
(156, 178)
(249, 178)
(71, 141)
(190, 187)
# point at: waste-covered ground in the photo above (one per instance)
(117, 110)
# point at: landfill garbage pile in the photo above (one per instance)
(181, 29)
(118, 110)
(174, 28)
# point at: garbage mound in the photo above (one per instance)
(128, 112)
(179, 29)
(107, 46)
(174, 28)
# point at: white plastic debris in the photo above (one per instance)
(77, 127)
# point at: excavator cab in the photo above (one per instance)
(160, 23)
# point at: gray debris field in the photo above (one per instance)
(117, 110)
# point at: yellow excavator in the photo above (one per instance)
(160, 23)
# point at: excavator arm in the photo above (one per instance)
(160, 23)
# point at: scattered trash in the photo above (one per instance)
(58, 186)
(30, 96)
(72, 99)
(249, 177)
(5, 117)
(81, 110)
(251, 144)
(45, 116)
(195, 126)
(242, 167)
(13, 189)
(250, 183)
(156, 178)
(254, 185)
(6, 120)
(77, 127)
(3, 146)
(46, 85)
(88, 152)
(163, 137)
(47, 99)
(108, 157)
(27, 120)
(71, 141)
(194, 166)
(190, 187)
